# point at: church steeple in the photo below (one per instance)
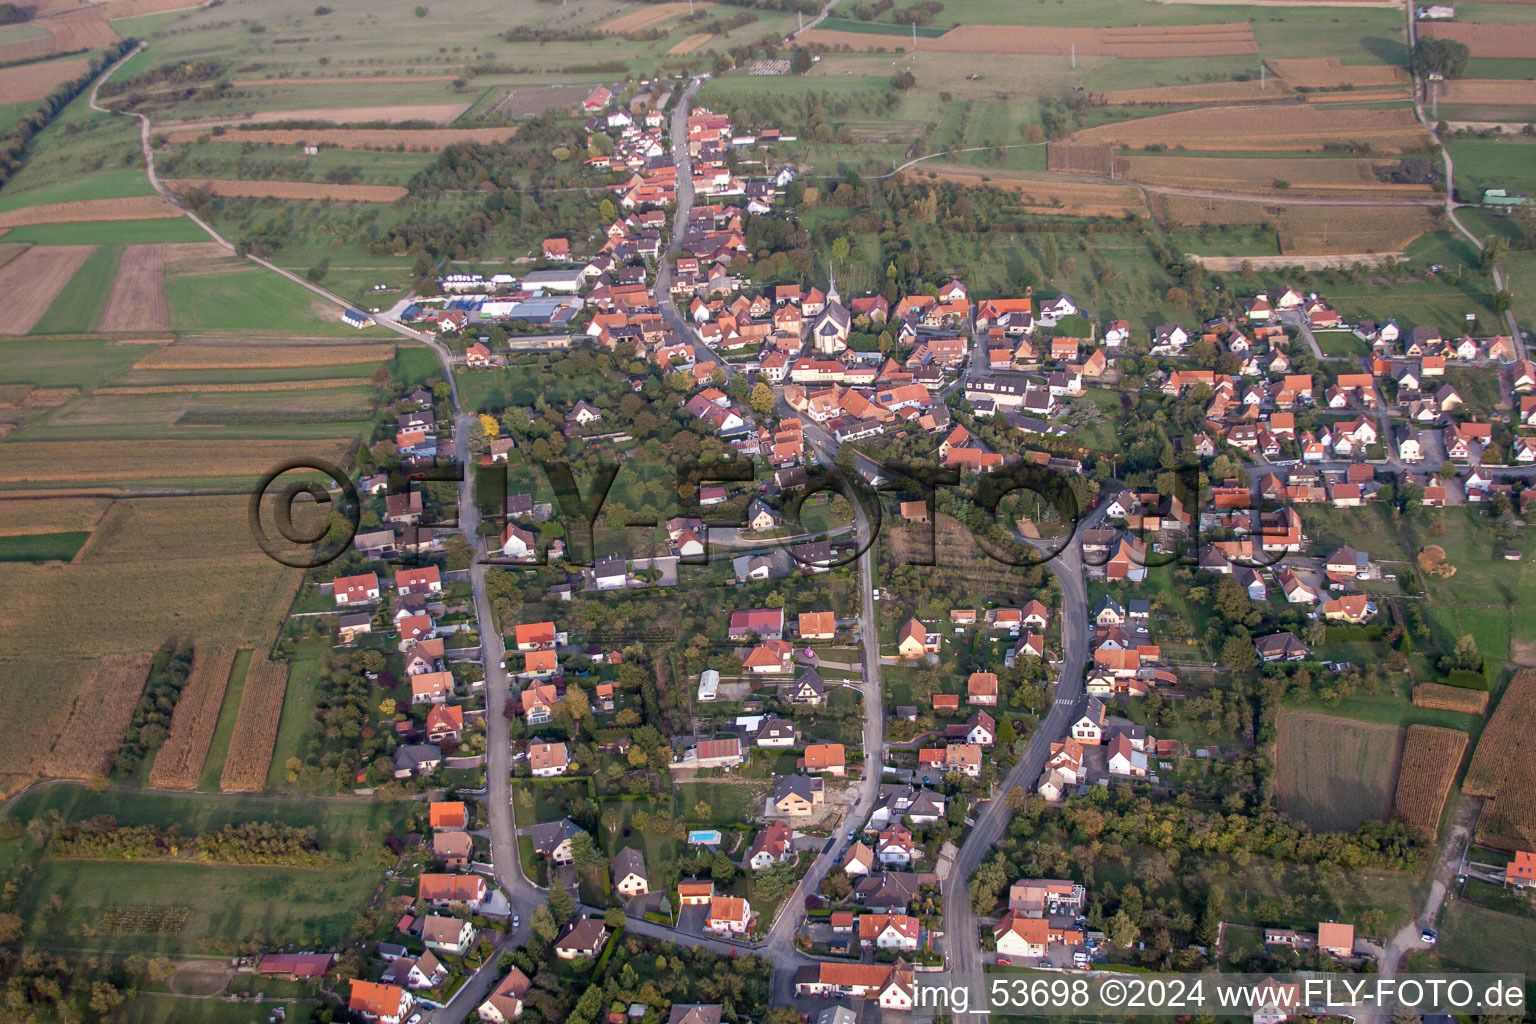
(832, 293)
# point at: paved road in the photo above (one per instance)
(1450, 181)
(962, 946)
(825, 11)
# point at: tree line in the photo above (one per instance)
(267, 843)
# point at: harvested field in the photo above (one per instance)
(31, 282)
(1256, 174)
(116, 9)
(1046, 197)
(1284, 127)
(184, 356)
(690, 44)
(1065, 157)
(195, 559)
(265, 385)
(1490, 91)
(1204, 92)
(1153, 41)
(416, 140)
(91, 210)
(1401, 92)
(75, 30)
(261, 709)
(179, 762)
(137, 302)
(291, 190)
(98, 461)
(1450, 698)
(1296, 3)
(439, 113)
(646, 16)
(358, 80)
(1431, 756)
(1327, 73)
(1501, 769)
(1513, 721)
(20, 517)
(527, 100)
(49, 396)
(98, 718)
(10, 250)
(29, 83)
(1317, 230)
(1334, 773)
(1513, 41)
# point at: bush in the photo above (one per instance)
(1467, 679)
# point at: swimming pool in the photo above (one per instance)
(704, 837)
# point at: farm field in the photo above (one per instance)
(1256, 174)
(1507, 41)
(1046, 196)
(83, 462)
(22, 516)
(129, 208)
(234, 295)
(1306, 230)
(439, 113)
(1290, 127)
(137, 301)
(116, 232)
(314, 191)
(179, 762)
(1328, 73)
(34, 279)
(41, 547)
(194, 553)
(649, 16)
(1203, 92)
(224, 733)
(28, 83)
(1334, 773)
(249, 757)
(1499, 773)
(98, 719)
(246, 354)
(1489, 163)
(413, 139)
(1450, 698)
(1479, 939)
(1431, 758)
(79, 305)
(1181, 41)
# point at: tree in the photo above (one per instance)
(1503, 302)
(543, 922)
(490, 426)
(561, 903)
(762, 399)
(1446, 57)
(613, 917)
(1492, 255)
(1121, 930)
(801, 62)
(387, 707)
(606, 210)
(1238, 654)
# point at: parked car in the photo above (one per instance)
(1429, 935)
(1004, 961)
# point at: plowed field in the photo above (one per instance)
(1327, 73)
(646, 16)
(1513, 41)
(31, 282)
(291, 190)
(1238, 174)
(137, 302)
(1205, 92)
(1288, 127)
(29, 83)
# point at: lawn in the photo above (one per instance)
(42, 547)
(1478, 939)
(298, 721)
(249, 299)
(213, 767)
(1341, 343)
(163, 1008)
(78, 307)
(730, 803)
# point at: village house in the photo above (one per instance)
(583, 937)
(627, 870)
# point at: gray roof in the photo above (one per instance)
(626, 862)
(584, 933)
(547, 836)
(695, 1013)
(803, 785)
(413, 754)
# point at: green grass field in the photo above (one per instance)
(42, 547)
(218, 750)
(1489, 163)
(80, 364)
(104, 184)
(110, 232)
(78, 307)
(297, 723)
(1477, 939)
(250, 299)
